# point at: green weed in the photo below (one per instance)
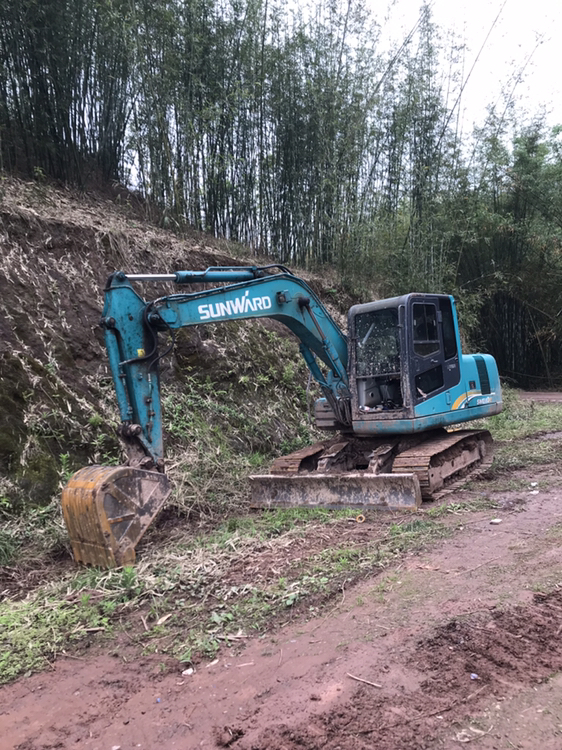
(9, 547)
(34, 631)
(95, 420)
(521, 418)
(200, 646)
(518, 455)
(31, 536)
(466, 506)
(271, 523)
(65, 469)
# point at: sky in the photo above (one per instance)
(527, 36)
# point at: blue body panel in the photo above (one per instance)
(451, 407)
(261, 298)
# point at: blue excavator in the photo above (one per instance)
(394, 392)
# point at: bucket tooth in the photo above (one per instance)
(107, 509)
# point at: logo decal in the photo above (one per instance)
(237, 306)
(485, 400)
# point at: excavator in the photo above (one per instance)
(395, 390)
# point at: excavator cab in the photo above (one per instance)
(407, 373)
(377, 355)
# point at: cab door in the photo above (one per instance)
(434, 347)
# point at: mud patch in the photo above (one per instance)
(512, 501)
(516, 647)
(16, 581)
(272, 560)
(461, 666)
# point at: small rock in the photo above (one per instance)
(495, 521)
(534, 492)
(188, 671)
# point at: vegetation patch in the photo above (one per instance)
(231, 412)
(223, 574)
(449, 507)
(56, 616)
(521, 418)
(521, 454)
(193, 596)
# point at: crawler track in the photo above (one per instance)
(440, 460)
(438, 463)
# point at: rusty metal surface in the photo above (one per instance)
(358, 472)
(107, 510)
(338, 455)
(436, 461)
(293, 462)
(353, 490)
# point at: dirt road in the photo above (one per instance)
(541, 397)
(451, 646)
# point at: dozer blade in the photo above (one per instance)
(350, 490)
(107, 509)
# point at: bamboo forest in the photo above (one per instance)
(300, 132)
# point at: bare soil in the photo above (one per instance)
(458, 644)
(540, 396)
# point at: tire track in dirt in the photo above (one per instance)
(464, 665)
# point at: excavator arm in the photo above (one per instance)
(132, 326)
(405, 383)
(107, 509)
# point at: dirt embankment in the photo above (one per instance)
(56, 400)
(57, 250)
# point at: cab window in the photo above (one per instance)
(377, 347)
(426, 335)
(449, 335)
